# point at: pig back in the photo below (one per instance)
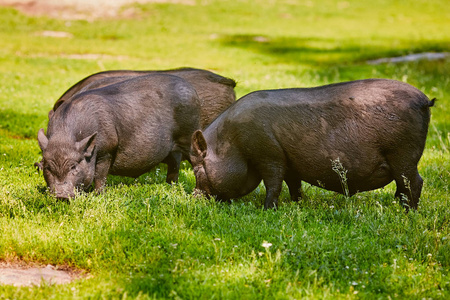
(215, 92)
(90, 82)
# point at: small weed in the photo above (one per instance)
(342, 173)
(405, 198)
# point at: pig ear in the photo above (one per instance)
(199, 144)
(87, 145)
(42, 139)
(50, 114)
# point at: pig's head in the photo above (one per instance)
(67, 165)
(198, 158)
(223, 174)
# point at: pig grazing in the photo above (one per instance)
(374, 130)
(216, 93)
(123, 129)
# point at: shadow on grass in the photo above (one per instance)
(155, 176)
(326, 51)
(19, 125)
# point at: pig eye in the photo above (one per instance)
(73, 167)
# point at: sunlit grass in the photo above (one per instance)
(145, 239)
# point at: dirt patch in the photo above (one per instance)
(81, 9)
(21, 274)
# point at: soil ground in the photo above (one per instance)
(21, 274)
(81, 9)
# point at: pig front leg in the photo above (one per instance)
(173, 161)
(101, 172)
(273, 180)
(295, 186)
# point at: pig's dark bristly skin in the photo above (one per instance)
(216, 93)
(376, 129)
(122, 129)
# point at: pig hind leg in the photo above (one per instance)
(408, 181)
(409, 185)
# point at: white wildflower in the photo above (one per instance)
(266, 244)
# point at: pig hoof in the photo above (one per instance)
(38, 166)
(198, 193)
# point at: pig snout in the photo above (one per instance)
(199, 193)
(63, 190)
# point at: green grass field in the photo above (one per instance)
(144, 239)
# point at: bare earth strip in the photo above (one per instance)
(21, 274)
(80, 9)
(33, 276)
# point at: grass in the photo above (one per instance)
(144, 239)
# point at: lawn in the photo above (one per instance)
(145, 239)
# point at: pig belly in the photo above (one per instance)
(134, 163)
(355, 178)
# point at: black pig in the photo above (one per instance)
(216, 92)
(123, 129)
(347, 137)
